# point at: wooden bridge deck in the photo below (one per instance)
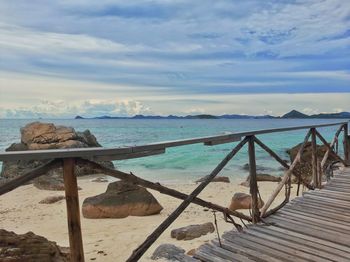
(314, 227)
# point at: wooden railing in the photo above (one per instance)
(87, 156)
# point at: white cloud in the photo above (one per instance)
(88, 108)
(22, 40)
(160, 51)
(253, 104)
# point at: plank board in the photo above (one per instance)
(314, 227)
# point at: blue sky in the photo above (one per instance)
(62, 58)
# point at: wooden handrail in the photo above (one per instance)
(116, 153)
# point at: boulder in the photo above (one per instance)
(29, 247)
(304, 169)
(262, 178)
(171, 253)
(35, 136)
(51, 199)
(120, 200)
(243, 201)
(192, 231)
(223, 179)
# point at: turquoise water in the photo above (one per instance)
(186, 163)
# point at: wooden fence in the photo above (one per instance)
(87, 156)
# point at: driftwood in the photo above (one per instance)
(166, 223)
(285, 177)
(21, 180)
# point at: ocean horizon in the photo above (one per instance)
(186, 163)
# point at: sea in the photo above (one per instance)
(182, 164)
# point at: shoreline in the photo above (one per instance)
(21, 212)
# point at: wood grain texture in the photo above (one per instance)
(314, 227)
(73, 211)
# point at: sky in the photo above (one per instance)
(64, 58)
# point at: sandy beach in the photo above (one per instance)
(117, 238)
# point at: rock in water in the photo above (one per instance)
(243, 201)
(38, 135)
(121, 199)
(192, 231)
(171, 253)
(223, 179)
(29, 247)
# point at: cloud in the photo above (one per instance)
(88, 108)
(144, 50)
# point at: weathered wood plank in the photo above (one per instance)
(343, 227)
(298, 256)
(333, 196)
(227, 254)
(339, 178)
(231, 237)
(301, 239)
(338, 189)
(323, 214)
(211, 253)
(320, 213)
(345, 204)
(335, 192)
(304, 251)
(246, 251)
(319, 225)
(317, 206)
(310, 239)
(321, 206)
(205, 254)
(309, 230)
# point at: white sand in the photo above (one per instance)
(21, 212)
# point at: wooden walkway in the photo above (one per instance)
(314, 227)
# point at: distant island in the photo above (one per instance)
(294, 114)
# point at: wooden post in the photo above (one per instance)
(253, 185)
(73, 211)
(346, 144)
(314, 158)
